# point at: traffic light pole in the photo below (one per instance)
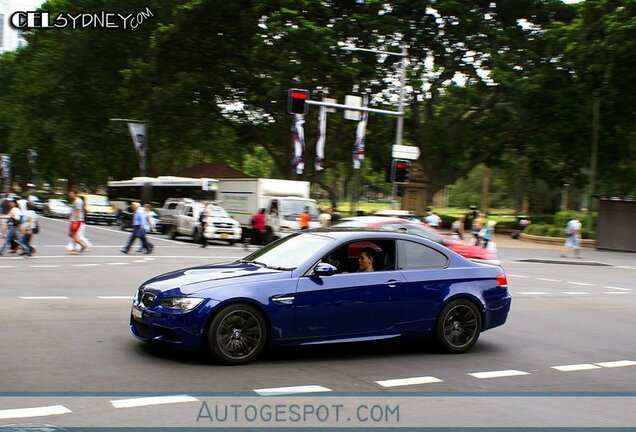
(400, 121)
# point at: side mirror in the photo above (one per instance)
(324, 269)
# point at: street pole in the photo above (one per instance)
(593, 156)
(400, 120)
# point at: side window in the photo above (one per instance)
(345, 257)
(190, 212)
(413, 256)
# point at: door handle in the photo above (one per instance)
(392, 283)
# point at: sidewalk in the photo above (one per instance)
(526, 251)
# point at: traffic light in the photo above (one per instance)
(401, 171)
(296, 101)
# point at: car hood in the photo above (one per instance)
(195, 279)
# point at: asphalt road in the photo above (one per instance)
(566, 357)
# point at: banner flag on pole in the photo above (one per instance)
(298, 135)
(6, 166)
(320, 144)
(358, 146)
(138, 132)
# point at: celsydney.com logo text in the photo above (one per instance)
(102, 19)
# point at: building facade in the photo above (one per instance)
(10, 37)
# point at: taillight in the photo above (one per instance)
(502, 281)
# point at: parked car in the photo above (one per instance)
(37, 203)
(55, 207)
(301, 289)
(184, 221)
(418, 228)
(97, 208)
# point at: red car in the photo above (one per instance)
(418, 228)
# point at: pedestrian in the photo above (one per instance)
(476, 227)
(14, 227)
(138, 230)
(303, 219)
(148, 223)
(469, 217)
(203, 220)
(30, 226)
(335, 215)
(433, 220)
(572, 237)
(77, 214)
(457, 228)
(487, 232)
(325, 218)
(259, 227)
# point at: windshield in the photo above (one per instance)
(97, 201)
(292, 208)
(218, 212)
(289, 252)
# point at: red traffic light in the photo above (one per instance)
(401, 171)
(296, 99)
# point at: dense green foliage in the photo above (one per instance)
(506, 83)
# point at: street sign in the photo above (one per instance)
(353, 101)
(405, 152)
(330, 101)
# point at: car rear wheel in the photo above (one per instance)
(458, 326)
(237, 334)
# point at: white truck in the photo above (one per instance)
(283, 201)
(184, 221)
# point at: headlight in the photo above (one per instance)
(181, 303)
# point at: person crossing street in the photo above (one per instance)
(139, 232)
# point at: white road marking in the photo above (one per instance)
(581, 283)
(549, 280)
(531, 292)
(33, 412)
(617, 288)
(115, 297)
(116, 263)
(155, 400)
(409, 381)
(575, 292)
(7, 266)
(46, 266)
(519, 276)
(84, 265)
(575, 367)
(620, 363)
(291, 390)
(498, 374)
(44, 298)
(614, 292)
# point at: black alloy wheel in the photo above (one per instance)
(237, 334)
(458, 326)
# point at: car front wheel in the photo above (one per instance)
(458, 326)
(237, 334)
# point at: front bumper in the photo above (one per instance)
(179, 329)
(213, 233)
(100, 217)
